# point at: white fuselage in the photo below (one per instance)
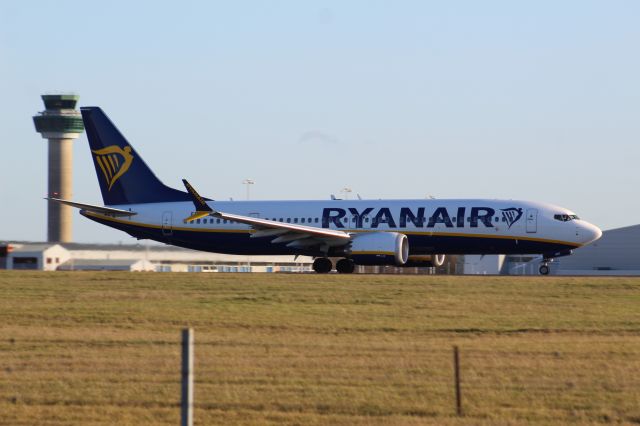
(471, 226)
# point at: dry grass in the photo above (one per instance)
(90, 348)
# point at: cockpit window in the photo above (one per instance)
(565, 217)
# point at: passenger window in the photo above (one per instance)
(295, 220)
(316, 220)
(302, 220)
(288, 220)
(224, 221)
(280, 219)
(309, 221)
(197, 220)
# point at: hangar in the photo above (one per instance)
(617, 252)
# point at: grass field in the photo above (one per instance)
(103, 348)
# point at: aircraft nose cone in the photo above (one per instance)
(589, 233)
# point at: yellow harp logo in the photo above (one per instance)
(114, 162)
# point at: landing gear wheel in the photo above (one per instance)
(544, 269)
(322, 265)
(345, 266)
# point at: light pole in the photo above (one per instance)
(346, 191)
(248, 182)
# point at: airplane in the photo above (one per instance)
(402, 233)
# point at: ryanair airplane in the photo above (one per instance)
(359, 232)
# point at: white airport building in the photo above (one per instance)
(151, 257)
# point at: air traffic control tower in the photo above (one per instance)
(60, 123)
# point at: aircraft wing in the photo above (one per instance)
(293, 235)
(93, 208)
(297, 236)
(265, 225)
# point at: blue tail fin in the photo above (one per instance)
(123, 175)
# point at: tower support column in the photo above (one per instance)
(60, 185)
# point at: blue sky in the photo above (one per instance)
(495, 99)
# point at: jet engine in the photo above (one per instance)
(379, 248)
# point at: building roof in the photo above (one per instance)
(101, 262)
(31, 247)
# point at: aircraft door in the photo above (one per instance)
(167, 228)
(532, 220)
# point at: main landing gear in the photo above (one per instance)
(322, 265)
(345, 266)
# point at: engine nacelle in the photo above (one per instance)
(379, 248)
(438, 259)
(426, 261)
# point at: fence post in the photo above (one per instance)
(186, 410)
(456, 368)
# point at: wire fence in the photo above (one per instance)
(337, 379)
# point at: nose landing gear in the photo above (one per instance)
(544, 267)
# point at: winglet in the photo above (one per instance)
(198, 201)
(202, 209)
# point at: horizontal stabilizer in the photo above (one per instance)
(92, 208)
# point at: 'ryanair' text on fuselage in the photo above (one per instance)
(407, 217)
